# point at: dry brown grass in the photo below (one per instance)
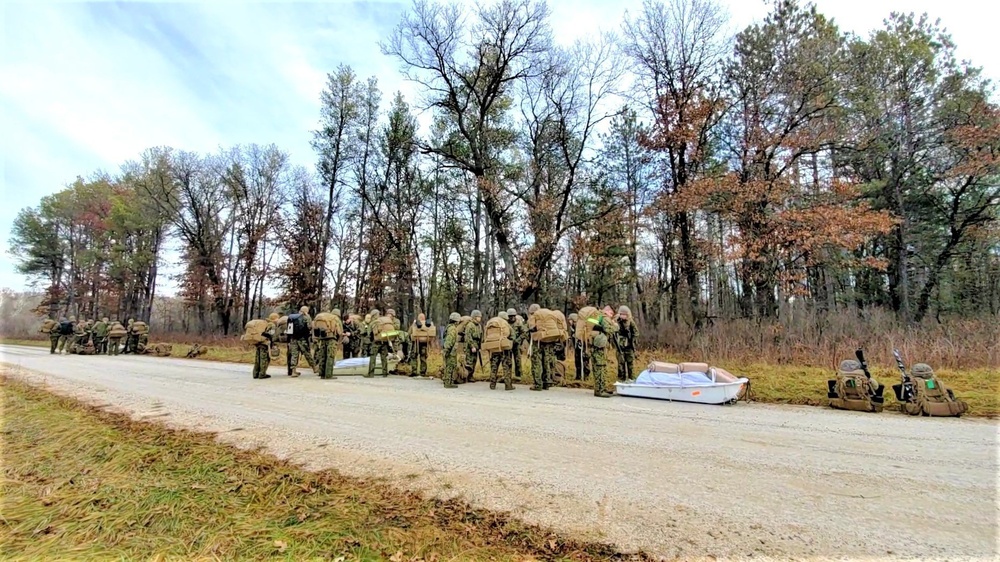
(83, 484)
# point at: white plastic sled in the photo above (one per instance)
(686, 382)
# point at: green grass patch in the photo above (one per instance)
(84, 484)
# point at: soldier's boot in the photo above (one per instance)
(264, 376)
(602, 395)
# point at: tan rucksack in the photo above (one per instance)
(931, 397)
(460, 329)
(550, 326)
(587, 318)
(48, 325)
(117, 331)
(497, 336)
(140, 328)
(852, 390)
(384, 329)
(423, 335)
(326, 325)
(253, 332)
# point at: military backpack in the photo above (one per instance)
(254, 330)
(326, 325)
(298, 327)
(140, 328)
(550, 326)
(460, 330)
(930, 397)
(852, 390)
(497, 336)
(48, 325)
(384, 329)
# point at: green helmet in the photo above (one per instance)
(533, 308)
(503, 315)
(336, 312)
(922, 370)
(454, 317)
(476, 314)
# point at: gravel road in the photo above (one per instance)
(678, 480)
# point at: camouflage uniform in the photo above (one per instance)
(473, 344)
(502, 359)
(101, 336)
(599, 360)
(378, 349)
(542, 359)
(81, 333)
(114, 342)
(53, 335)
(300, 346)
(350, 337)
(450, 351)
(326, 349)
(577, 346)
(518, 333)
(131, 338)
(366, 336)
(625, 347)
(262, 357)
(66, 335)
(418, 350)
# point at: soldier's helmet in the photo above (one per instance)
(105, 320)
(476, 314)
(273, 317)
(624, 310)
(511, 312)
(375, 313)
(573, 317)
(533, 308)
(922, 370)
(390, 312)
(304, 310)
(503, 315)
(336, 312)
(72, 318)
(130, 321)
(849, 365)
(62, 319)
(454, 317)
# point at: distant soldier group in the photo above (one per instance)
(100, 337)
(544, 334)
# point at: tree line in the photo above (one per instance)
(696, 175)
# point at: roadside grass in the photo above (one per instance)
(80, 483)
(776, 384)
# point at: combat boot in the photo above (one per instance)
(602, 395)
(493, 385)
(508, 387)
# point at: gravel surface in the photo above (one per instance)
(674, 479)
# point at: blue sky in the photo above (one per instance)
(87, 86)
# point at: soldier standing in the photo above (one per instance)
(626, 337)
(350, 335)
(66, 330)
(577, 346)
(518, 333)
(131, 338)
(115, 335)
(101, 336)
(299, 341)
(598, 353)
(502, 359)
(542, 359)
(51, 327)
(262, 359)
(450, 350)
(379, 349)
(419, 345)
(327, 336)
(366, 336)
(473, 341)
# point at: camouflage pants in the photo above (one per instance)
(542, 364)
(498, 360)
(578, 362)
(100, 345)
(142, 343)
(366, 348)
(599, 358)
(626, 364)
(114, 346)
(262, 360)
(450, 366)
(471, 358)
(326, 357)
(131, 343)
(54, 341)
(297, 348)
(418, 358)
(349, 348)
(65, 342)
(516, 361)
(381, 350)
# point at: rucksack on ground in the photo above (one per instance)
(497, 336)
(851, 390)
(298, 327)
(550, 326)
(384, 329)
(460, 329)
(48, 325)
(930, 396)
(327, 325)
(253, 332)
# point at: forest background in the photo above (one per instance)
(781, 195)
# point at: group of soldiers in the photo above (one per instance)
(378, 336)
(99, 337)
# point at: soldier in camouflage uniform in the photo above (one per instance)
(366, 336)
(301, 346)
(502, 359)
(599, 357)
(131, 339)
(473, 343)
(81, 333)
(625, 347)
(350, 336)
(54, 334)
(418, 350)
(542, 359)
(114, 342)
(450, 350)
(326, 350)
(518, 333)
(262, 359)
(101, 336)
(379, 349)
(66, 330)
(576, 345)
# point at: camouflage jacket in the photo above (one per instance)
(450, 338)
(626, 335)
(473, 335)
(101, 330)
(518, 332)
